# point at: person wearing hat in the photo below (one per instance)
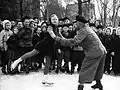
(4, 36)
(93, 64)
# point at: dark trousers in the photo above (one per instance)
(66, 57)
(116, 63)
(4, 60)
(107, 62)
(77, 57)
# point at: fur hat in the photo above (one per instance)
(4, 23)
(81, 19)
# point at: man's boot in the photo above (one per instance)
(97, 85)
(80, 87)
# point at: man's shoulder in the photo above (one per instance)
(83, 31)
(89, 30)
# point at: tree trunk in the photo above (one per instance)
(79, 7)
(105, 13)
(115, 16)
(21, 9)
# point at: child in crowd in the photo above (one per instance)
(12, 50)
(4, 36)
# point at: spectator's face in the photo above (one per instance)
(103, 31)
(74, 26)
(54, 20)
(67, 21)
(15, 30)
(8, 26)
(61, 22)
(26, 22)
(114, 32)
(20, 25)
(36, 20)
(35, 25)
(97, 23)
(44, 28)
(65, 28)
(32, 24)
(70, 28)
(12, 23)
(108, 31)
(38, 30)
(118, 32)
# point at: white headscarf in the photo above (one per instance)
(4, 23)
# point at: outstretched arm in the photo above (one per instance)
(69, 42)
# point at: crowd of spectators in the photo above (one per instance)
(18, 37)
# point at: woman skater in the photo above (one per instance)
(45, 46)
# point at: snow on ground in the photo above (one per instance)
(33, 81)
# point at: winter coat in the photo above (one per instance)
(4, 36)
(25, 35)
(13, 42)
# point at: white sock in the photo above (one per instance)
(19, 67)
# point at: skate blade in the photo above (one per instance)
(47, 84)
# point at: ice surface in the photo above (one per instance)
(33, 81)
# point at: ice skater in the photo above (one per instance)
(45, 46)
(93, 64)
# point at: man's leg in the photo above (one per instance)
(88, 70)
(99, 74)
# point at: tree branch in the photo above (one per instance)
(86, 1)
(26, 7)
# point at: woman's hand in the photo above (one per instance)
(112, 53)
(61, 34)
(50, 31)
(59, 51)
(57, 38)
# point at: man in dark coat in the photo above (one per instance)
(25, 35)
(93, 65)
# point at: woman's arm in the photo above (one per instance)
(69, 42)
(1, 38)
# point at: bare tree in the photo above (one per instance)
(103, 8)
(27, 7)
(7, 9)
(105, 11)
(116, 6)
(80, 2)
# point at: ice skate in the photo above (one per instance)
(46, 81)
(15, 63)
